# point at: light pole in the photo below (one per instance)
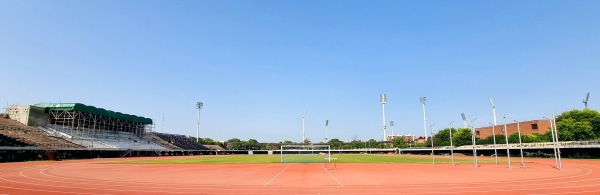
(303, 135)
(392, 125)
(464, 119)
(199, 107)
(520, 143)
(494, 129)
(553, 140)
(451, 146)
(432, 152)
(557, 144)
(507, 147)
(326, 124)
(474, 142)
(424, 101)
(383, 101)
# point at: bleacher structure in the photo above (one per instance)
(60, 130)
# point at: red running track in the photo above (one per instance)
(88, 177)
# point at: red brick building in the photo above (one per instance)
(527, 127)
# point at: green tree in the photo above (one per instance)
(234, 140)
(335, 143)
(307, 141)
(442, 138)
(462, 137)
(579, 127)
(571, 130)
(399, 142)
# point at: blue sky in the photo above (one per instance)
(257, 65)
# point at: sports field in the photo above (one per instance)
(263, 174)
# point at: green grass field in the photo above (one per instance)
(341, 158)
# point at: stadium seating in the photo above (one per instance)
(31, 136)
(181, 141)
(103, 139)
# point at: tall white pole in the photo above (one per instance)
(432, 152)
(451, 146)
(326, 124)
(507, 147)
(424, 101)
(520, 144)
(199, 107)
(553, 141)
(557, 144)
(474, 140)
(494, 129)
(383, 101)
(464, 118)
(392, 125)
(303, 135)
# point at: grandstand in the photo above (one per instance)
(80, 131)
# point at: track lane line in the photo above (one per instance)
(276, 176)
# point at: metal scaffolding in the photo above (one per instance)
(93, 125)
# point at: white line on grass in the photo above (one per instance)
(276, 175)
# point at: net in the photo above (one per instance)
(305, 153)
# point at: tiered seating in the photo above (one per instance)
(32, 136)
(181, 141)
(103, 139)
(10, 142)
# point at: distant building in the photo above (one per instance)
(407, 138)
(527, 127)
(27, 115)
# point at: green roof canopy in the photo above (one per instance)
(93, 110)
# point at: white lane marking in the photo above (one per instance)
(277, 175)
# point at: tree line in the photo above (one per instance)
(574, 125)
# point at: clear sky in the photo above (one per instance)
(257, 65)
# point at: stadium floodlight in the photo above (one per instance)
(474, 142)
(507, 146)
(303, 135)
(520, 143)
(392, 125)
(494, 129)
(383, 102)
(424, 102)
(585, 101)
(199, 107)
(451, 146)
(464, 118)
(432, 152)
(326, 124)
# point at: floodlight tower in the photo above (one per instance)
(585, 101)
(199, 107)
(424, 102)
(494, 129)
(303, 135)
(464, 119)
(383, 101)
(392, 125)
(326, 124)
